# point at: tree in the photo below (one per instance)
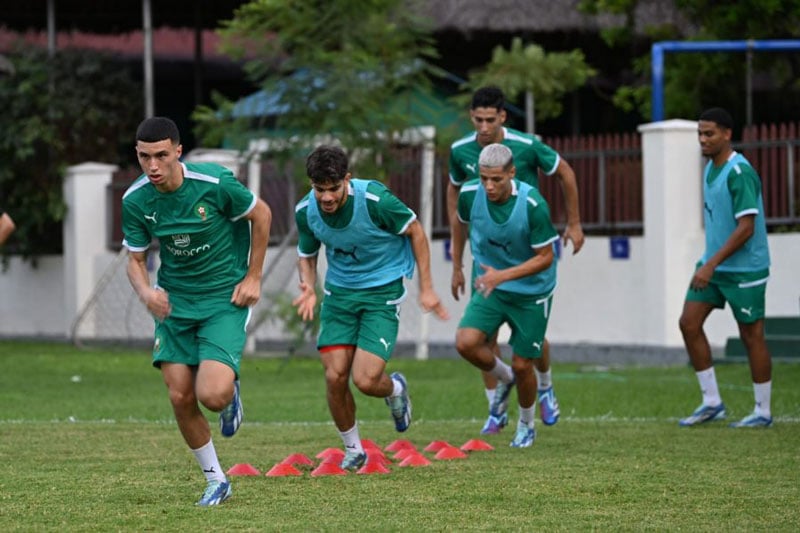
(695, 81)
(330, 69)
(544, 78)
(76, 106)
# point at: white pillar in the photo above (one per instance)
(85, 232)
(673, 224)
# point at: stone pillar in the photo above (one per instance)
(86, 228)
(673, 223)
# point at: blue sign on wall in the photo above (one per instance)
(620, 247)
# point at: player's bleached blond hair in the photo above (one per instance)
(496, 155)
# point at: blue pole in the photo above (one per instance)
(660, 48)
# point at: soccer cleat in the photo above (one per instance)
(353, 460)
(400, 405)
(500, 402)
(752, 420)
(230, 418)
(494, 424)
(703, 414)
(548, 406)
(216, 492)
(524, 436)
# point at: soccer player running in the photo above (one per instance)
(213, 235)
(511, 237)
(372, 241)
(487, 113)
(734, 268)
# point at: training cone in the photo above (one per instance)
(368, 444)
(373, 467)
(328, 469)
(436, 445)
(298, 459)
(398, 445)
(330, 452)
(243, 469)
(451, 452)
(281, 470)
(377, 456)
(415, 459)
(402, 454)
(476, 445)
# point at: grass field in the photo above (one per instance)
(89, 444)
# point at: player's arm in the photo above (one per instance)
(569, 186)
(156, 300)
(458, 241)
(306, 301)
(428, 298)
(248, 291)
(7, 227)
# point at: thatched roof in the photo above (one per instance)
(539, 15)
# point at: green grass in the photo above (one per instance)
(102, 453)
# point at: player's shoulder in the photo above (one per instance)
(512, 138)
(139, 190)
(464, 143)
(303, 203)
(532, 194)
(206, 172)
(470, 186)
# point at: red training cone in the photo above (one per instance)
(328, 469)
(330, 452)
(437, 445)
(368, 444)
(415, 459)
(243, 469)
(476, 445)
(281, 470)
(398, 445)
(451, 452)
(373, 467)
(298, 459)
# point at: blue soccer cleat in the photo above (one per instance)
(548, 406)
(494, 424)
(753, 420)
(353, 460)
(703, 414)
(524, 436)
(216, 492)
(400, 405)
(500, 402)
(230, 418)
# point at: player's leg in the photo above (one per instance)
(526, 394)
(748, 304)
(549, 410)
(696, 308)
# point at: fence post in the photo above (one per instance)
(84, 232)
(673, 232)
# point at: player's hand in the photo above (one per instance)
(247, 292)
(429, 301)
(157, 303)
(487, 282)
(701, 278)
(574, 233)
(306, 301)
(457, 283)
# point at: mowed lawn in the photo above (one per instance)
(88, 443)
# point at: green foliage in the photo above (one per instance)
(102, 453)
(333, 66)
(281, 310)
(78, 106)
(523, 68)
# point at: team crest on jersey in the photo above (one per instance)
(181, 241)
(202, 211)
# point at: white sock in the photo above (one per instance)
(527, 415)
(490, 396)
(763, 392)
(708, 386)
(352, 442)
(397, 389)
(543, 379)
(207, 459)
(502, 371)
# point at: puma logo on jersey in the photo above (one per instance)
(747, 310)
(351, 253)
(499, 245)
(152, 218)
(471, 167)
(385, 344)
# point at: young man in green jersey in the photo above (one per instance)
(734, 269)
(372, 241)
(488, 115)
(511, 238)
(213, 235)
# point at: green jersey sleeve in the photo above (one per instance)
(745, 188)
(386, 210)
(237, 199)
(307, 244)
(466, 197)
(541, 227)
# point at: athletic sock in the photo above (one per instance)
(209, 462)
(527, 415)
(763, 393)
(397, 388)
(351, 439)
(502, 371)
(544, 380)
(490, 396)
(708, 386)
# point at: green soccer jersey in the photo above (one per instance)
(386, 210)
(530, 155)
(203, 236)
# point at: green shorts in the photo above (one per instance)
(198, 330)
(745, 292)
(366, 318)
(526, 315)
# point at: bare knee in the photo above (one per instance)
(215, 400)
